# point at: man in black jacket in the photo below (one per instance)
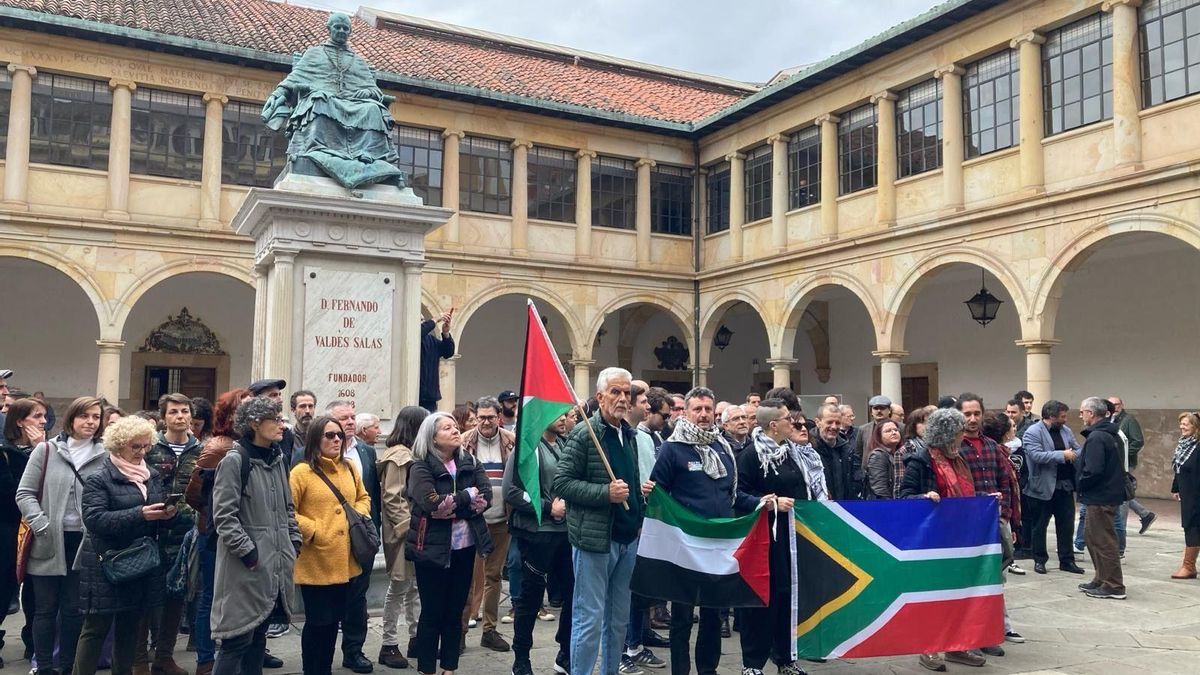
(843, 467)
(1101, 490)
(433, 350)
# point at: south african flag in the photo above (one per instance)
(884, 578)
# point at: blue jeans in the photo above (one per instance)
(600, 607)
(1118, 524)
(206, 649)
(513, 563)
(637, 626)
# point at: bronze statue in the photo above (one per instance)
(335, 116)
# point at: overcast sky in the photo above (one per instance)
(748, 40)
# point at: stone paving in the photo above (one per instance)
(1157, 630)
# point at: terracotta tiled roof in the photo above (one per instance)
(412, 51)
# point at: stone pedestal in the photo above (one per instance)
(342, 275)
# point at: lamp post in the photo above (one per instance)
(983, 305)
(722, 338)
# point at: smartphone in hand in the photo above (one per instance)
(173, 500)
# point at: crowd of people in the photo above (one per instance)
(119, 529)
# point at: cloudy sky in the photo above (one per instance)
(747, 40)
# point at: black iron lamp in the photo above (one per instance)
(722, 338)
(983, 305)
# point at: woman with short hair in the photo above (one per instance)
(1185, 488)
(448, 491)
(326, 563)
(50, 496)
(401, 594)
(123, 502)
(885, 461)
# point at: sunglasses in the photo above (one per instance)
(330, 435)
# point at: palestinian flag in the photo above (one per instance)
(717, 562)
(884, 578)
(546, 395)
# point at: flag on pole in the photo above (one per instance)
(908, 576)
(545, 395)
(707, 562)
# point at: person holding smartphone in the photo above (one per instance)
(433, 350)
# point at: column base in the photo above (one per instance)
(450, 246)
(519, 252)
(885, 223)
(210, 224)
(1031, 191)
(1126, 168)
(952, 210)
(113, 214)
(15, 205)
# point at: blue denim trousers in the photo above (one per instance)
(600, 607)
(206, 649)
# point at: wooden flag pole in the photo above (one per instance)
(600, 450)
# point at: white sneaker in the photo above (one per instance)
(471, 623)
(507, 618)
(546, 615)
(1016, 569)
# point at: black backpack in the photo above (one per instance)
(207, 478)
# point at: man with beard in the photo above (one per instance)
(1050, 453)
(843, 466)
(735, 427)
(658, 401)
(508, 409)
(304, 406)
(881, 411)
(697, 468)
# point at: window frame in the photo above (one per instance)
(756, 180)
(862, 124)
(431, 144)
(5, 105)
(803, 145)
(672, 190)
(561, 167)
(149, 102)
(481, 165)
(1070, 44)
(917, 151)
(1156, 46)
(234, 167)
(984, 102)
(78, 104)
(717, 191)
(614, 193)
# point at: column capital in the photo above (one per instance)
(1110, 5)
(950, 69)
(110, 346)
(17, 67)
(782, 363)
(581, 154)
(214, 96)
(889, 355)
(582, 363)
(739, 156)
(519, 143)
(645, 161)
(454, 132)
(285, 256)
(776, 138)
(1030, 37)
(1036, 346)
(413, 266)
(114, 83)
(885, 95)
(827, 118)
(703, 366)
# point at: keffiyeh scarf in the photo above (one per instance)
(771, 454)
(814, 471)
(706, 442)
(1183, 452)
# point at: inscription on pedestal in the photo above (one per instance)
(348, 337)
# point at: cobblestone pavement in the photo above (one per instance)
(1157, 630)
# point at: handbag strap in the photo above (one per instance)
(322, 476)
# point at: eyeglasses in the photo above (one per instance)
(676, 408)
(486, 418)
(330, 435)
(139, 446)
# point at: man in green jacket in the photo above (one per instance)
(604, 519)
(1129, 426)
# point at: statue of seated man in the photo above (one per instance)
(335, 116)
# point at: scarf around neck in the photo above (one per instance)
(1183, 452)
(138, 474)
(952, 474)
(706, 442)
(771, 454)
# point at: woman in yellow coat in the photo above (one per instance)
(326, 564)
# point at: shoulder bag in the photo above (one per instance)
(364, 538)
(25, 533)
(130, 563)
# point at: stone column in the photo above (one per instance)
(583, 204)
(210, 171)
(702, 374)
(737, 203)
(952, 136)
(889, 374)
(450, 183)
(520, 198)
(584, 387)
(410, 333)
(642, 213)
(108, 372)
(781, 371)
(779, 192)
(885, 163)
(447, 380)
(1030, 59)
(118, 149)
(829, 174)
(16, 160)
(1037, 367)
(281, 294)
(260, 322)
(1127, 83)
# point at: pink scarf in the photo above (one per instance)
(137, 474)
